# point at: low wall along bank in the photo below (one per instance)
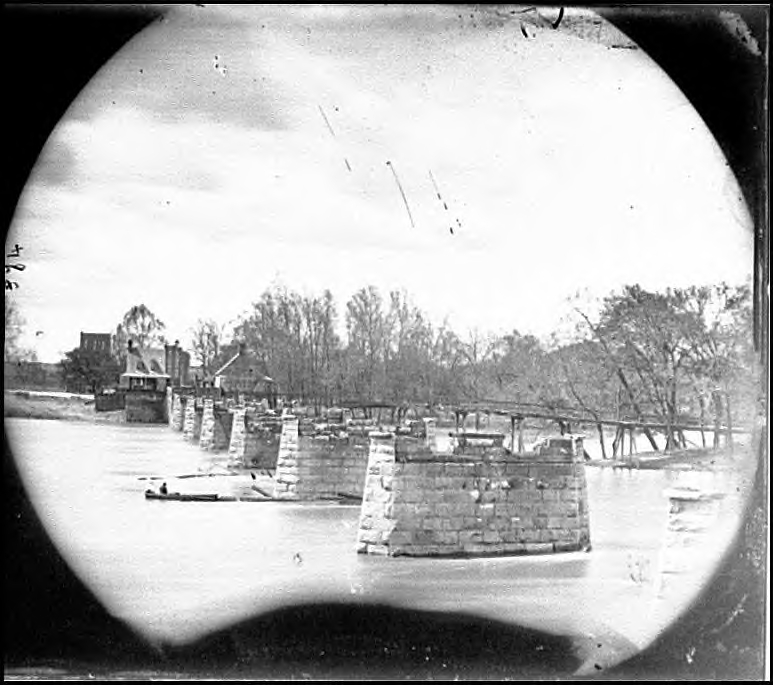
(481, 500)
(145, 407)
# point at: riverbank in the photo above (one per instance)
(32, 404)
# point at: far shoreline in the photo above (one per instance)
(55, 406)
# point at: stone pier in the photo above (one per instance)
(377, 515)
(318, 465)
(215, 434)
(253, 439)
(430, 434)
(221, 438)
(207, 436)
(176, 415)
(482, 500)
(238, 434)
(191, 421)
(286, 478)
(261, 442)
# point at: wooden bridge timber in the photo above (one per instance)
(519, 413)
(566, 417)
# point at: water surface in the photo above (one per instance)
(176, 571)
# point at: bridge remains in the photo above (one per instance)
(480, 500)
(321, 461)
(216, 422)
(254, 441)
(192, 420)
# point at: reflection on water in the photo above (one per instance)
(176, 571)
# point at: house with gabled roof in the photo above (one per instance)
(145, 369)
(246, 374)
(144, 383)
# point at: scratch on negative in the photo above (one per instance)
(733, 615)
(327, 122)
(332, 132)
(400, 188)
(560, 17)
(440, 197)
(434, 183)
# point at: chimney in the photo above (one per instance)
(242, 348)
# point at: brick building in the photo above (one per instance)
(96, 342)
(177, 365)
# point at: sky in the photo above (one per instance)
(486, 163)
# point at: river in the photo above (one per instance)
(177, 571)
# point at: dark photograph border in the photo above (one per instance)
(54, 627)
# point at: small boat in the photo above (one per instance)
(349, 498)
(189, 497)
(203, 497)
(261, 496)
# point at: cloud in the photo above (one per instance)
(175, 69)
(559, 164)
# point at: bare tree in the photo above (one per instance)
(367, 348)
(142, 327)
(207, 342)
(14, 328)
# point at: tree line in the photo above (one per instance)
(635, 355)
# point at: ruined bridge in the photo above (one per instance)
(470, 496)
(420, 495)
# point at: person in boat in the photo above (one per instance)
(163, 489)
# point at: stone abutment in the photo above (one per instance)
(481, 500)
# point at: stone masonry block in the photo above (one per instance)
(467, 537)
(557, 522)
(433, 523)
(380, 550)
(371, 536)
(491, 536)
(448, 537)
(401, 538)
